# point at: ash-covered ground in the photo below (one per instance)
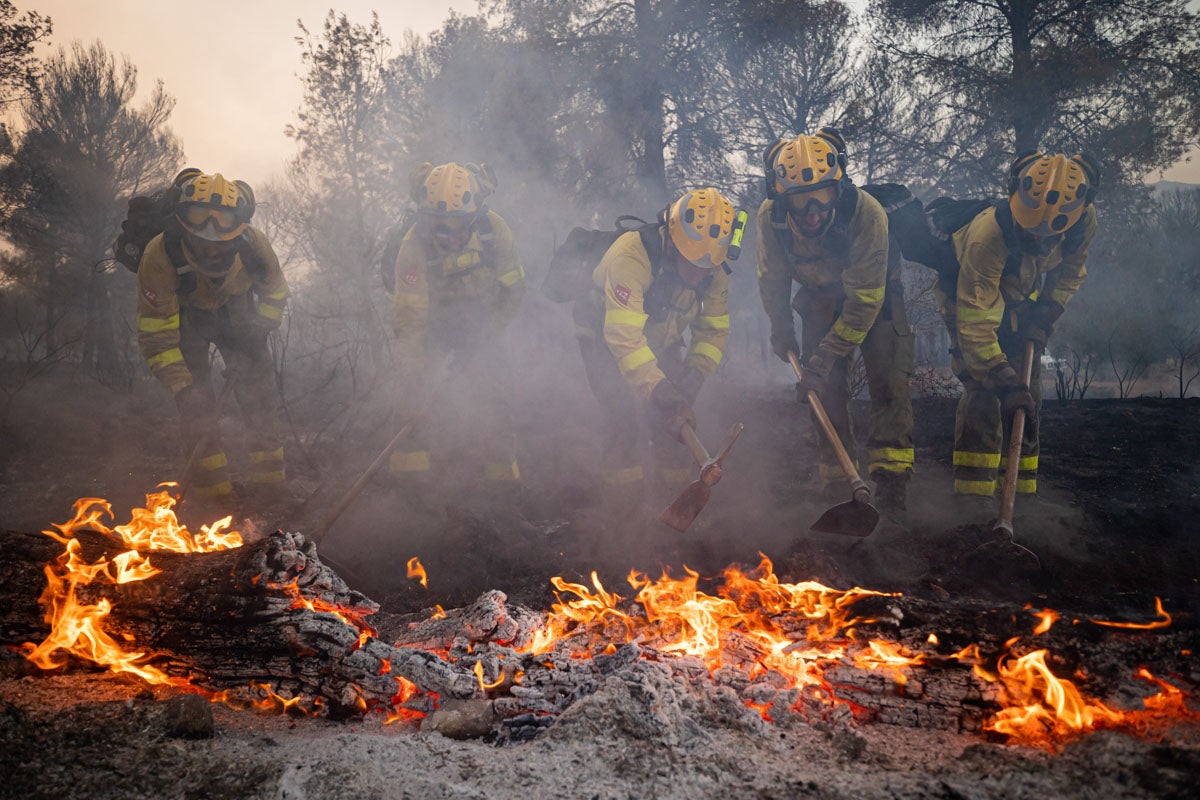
(1114, 528)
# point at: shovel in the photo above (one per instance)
(691, 501)
(855, 517)
(1002, 530)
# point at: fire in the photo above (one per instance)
(1163, 621)
(1046, 618)
(747, 618)
(416, 570)
(76, 628)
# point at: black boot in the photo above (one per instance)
(891, 492)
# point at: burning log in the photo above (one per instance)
(269, 613)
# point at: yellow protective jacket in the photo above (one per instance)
(160, 298)
(634, 332)
(484, 279)
(985, 289)
(858, 272)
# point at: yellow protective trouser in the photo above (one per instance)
(243, 347)
(623, 413)
(981, 436)
(471, 415)
(887, 355)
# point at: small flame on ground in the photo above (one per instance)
(1163, 621)
(416, 570)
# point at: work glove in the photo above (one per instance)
(1006, 384)
(193, 402)
(689, 383)
(813, 377)
(783, 343)
(674, 407)
(1036, 324)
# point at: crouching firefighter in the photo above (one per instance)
(816, 229)
(1020, 263)
(458, 284)
(211, 279)
(653, 284)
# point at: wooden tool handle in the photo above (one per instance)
(857, 485)
(1008, 498)
(693, 444)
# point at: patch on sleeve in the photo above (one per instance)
(622, 294)
(411, 278)
(150, 295)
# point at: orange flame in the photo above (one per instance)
(1164, 620)
(1047, 617)
(76, 628)
(415, 570)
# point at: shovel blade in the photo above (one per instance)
(848, 519)
(691, 501)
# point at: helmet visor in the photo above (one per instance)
(210, 223)
(812, 201)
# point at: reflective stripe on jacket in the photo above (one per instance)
(985, 290)
(860, 272)
(159, 301)
(483, 278)
(633, 332)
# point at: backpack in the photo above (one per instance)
(571, 267)
(147, 217)
(924, 232)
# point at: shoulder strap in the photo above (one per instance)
(1004, 218)
(254, 264)
(487, 237)
(173, 243)
(652, 240)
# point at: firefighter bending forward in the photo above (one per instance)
(816, 229)
(1021, 262)
(650, 287)
(459, 284)
(212, 279)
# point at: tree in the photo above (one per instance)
(18, 67)
(84, 151)
(345, 190)
(1117, 78)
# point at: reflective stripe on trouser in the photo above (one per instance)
(247, 356)
(888, 362)
(620, 411)
(267, 466)
(406, 461)
(210, 475)
(502, 471)
(981, 436)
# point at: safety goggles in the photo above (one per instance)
(212, 223)
(812, 201)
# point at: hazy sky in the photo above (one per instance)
(232, 65)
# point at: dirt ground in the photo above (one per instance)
(1114, 528)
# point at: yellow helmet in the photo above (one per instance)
(701, 226)
(1048, 194)
(805, 163)
(450, 190)
(213, 208)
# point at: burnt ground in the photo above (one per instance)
(1114, 528)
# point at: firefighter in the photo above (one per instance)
(458, 284)
(1021, 262)
(816, 229)
(210, 278)
(650, 287)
